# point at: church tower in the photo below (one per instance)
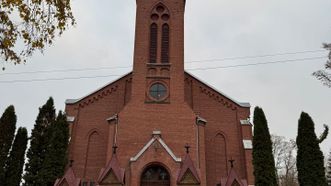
(158, 68)
(157, 106)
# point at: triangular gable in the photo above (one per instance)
(189, 178)
(113, 173)
(69, 179)
(188, 173)
(74, 101)
(241, 104)
(156, 137)
(110, 178)
(233, 179)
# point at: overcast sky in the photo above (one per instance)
(215, 29)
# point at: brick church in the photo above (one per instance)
(158, 125)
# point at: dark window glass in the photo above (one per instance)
(160, 9)
(158, 91)
(165, 44)
(153, 43)
(155, 175)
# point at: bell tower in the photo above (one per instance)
(158, 64)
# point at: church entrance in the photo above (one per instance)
(155, 175)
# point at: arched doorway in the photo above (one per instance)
(155, 175)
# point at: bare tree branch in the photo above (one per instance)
(325, 75)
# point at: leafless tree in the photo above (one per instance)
(285, 160)
(325, 75)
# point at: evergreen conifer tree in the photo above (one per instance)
(7, 132)
(263, 160)
(15, 161)
(38, 145)
(309, 156)
(56, 152)
(328, 169)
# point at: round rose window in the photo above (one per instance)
(158, 91)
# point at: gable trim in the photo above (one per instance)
(241, 104)
(164, 145)
(73, 101)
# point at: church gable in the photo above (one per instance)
(101, 92)
(69, 179)
(64, 183)
(113, 174)
(188, 179)
(157, 145)
(214, 94)
(110, 179)
(233, 179)
(188, 175)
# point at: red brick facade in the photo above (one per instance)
(152, 113)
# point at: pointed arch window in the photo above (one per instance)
(165, 44)
(153, 43)
(159, 35)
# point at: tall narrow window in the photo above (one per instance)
(165, 44)
(153, 43)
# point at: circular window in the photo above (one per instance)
(154, 17)
(165, 17)
(158, 91)
(160, 9)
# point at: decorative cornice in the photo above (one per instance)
(99, 93)
(97, 97)
(217, 98)
(218, 95)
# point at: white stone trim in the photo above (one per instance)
(70, 118)
(143, 150)
(245, 122)
(156, 133)
(156, 138)
(169, 151)
(114, 117)
(201, 120)
(248, 144)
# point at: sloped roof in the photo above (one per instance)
(233, 176)
(73, 101)
(70, 177)
(114, 166)
(241, 104)
(187, 165)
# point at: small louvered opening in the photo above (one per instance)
(153, 43)
(165, 44)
